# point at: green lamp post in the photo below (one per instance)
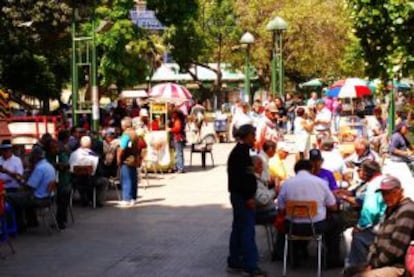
(277, 26)
(84, 55)
(247, 39)
(74, 68)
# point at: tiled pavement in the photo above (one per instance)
(180, 227)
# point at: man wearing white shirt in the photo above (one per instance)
(312, 100)
(307, 187)
(84, 156)
(268, 151)
(332, 159)
(241, 117)
(11, 167)
(323, 117)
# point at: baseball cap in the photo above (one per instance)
(271, 107)
(315, 155)
(389, 183)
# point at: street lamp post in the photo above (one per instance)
(95, 96)
(84, 54)
(277, 26)
(247, 39)
(74, 69)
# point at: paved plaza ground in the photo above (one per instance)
(180, 227)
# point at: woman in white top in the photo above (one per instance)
(303, 130)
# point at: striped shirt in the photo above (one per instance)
(394, 236)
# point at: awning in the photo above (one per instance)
(133, 94)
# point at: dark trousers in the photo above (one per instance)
(331, 229)
(243, 249)
(85, 185)
(359, 246)
(24, 204)
(63, 199)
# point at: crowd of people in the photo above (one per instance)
(55, 166)
(349, 189)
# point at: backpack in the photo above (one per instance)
(132, 154)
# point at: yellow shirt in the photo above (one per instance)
(277, 168)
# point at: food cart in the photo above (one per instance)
(158, 155)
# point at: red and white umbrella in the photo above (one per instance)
(171, 92)
(349, 88)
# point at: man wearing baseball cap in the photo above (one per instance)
(387, 254)
(315, 157)
(323, 117)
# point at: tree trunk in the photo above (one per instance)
(46, 105)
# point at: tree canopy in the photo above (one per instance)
(386, 32)
(34, 49)
(317, 42)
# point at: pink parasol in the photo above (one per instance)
(170, 92)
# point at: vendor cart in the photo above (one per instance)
(351, 128)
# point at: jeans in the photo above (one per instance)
(179, 155)
(129, 182)
(360, 246)
(243, 249)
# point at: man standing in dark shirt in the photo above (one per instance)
(242, 187)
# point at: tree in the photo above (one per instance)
(314, 43)
(317, 43)
(386, 31)
(126, 53)
(200, 33)
(34, 56)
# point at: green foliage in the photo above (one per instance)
(174, 12)
(386, 32)
(125, 53)
(317, 38)
(199, 32)
(34, 49)
(319, 41)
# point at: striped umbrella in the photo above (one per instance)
(170, 92)
(349, 88)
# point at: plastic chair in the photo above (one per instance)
(113, 183)
(270, 234)
(204, 146)
(46, 210)
(83, 180)
(302, 210)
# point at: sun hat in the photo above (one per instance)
(6, 144)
